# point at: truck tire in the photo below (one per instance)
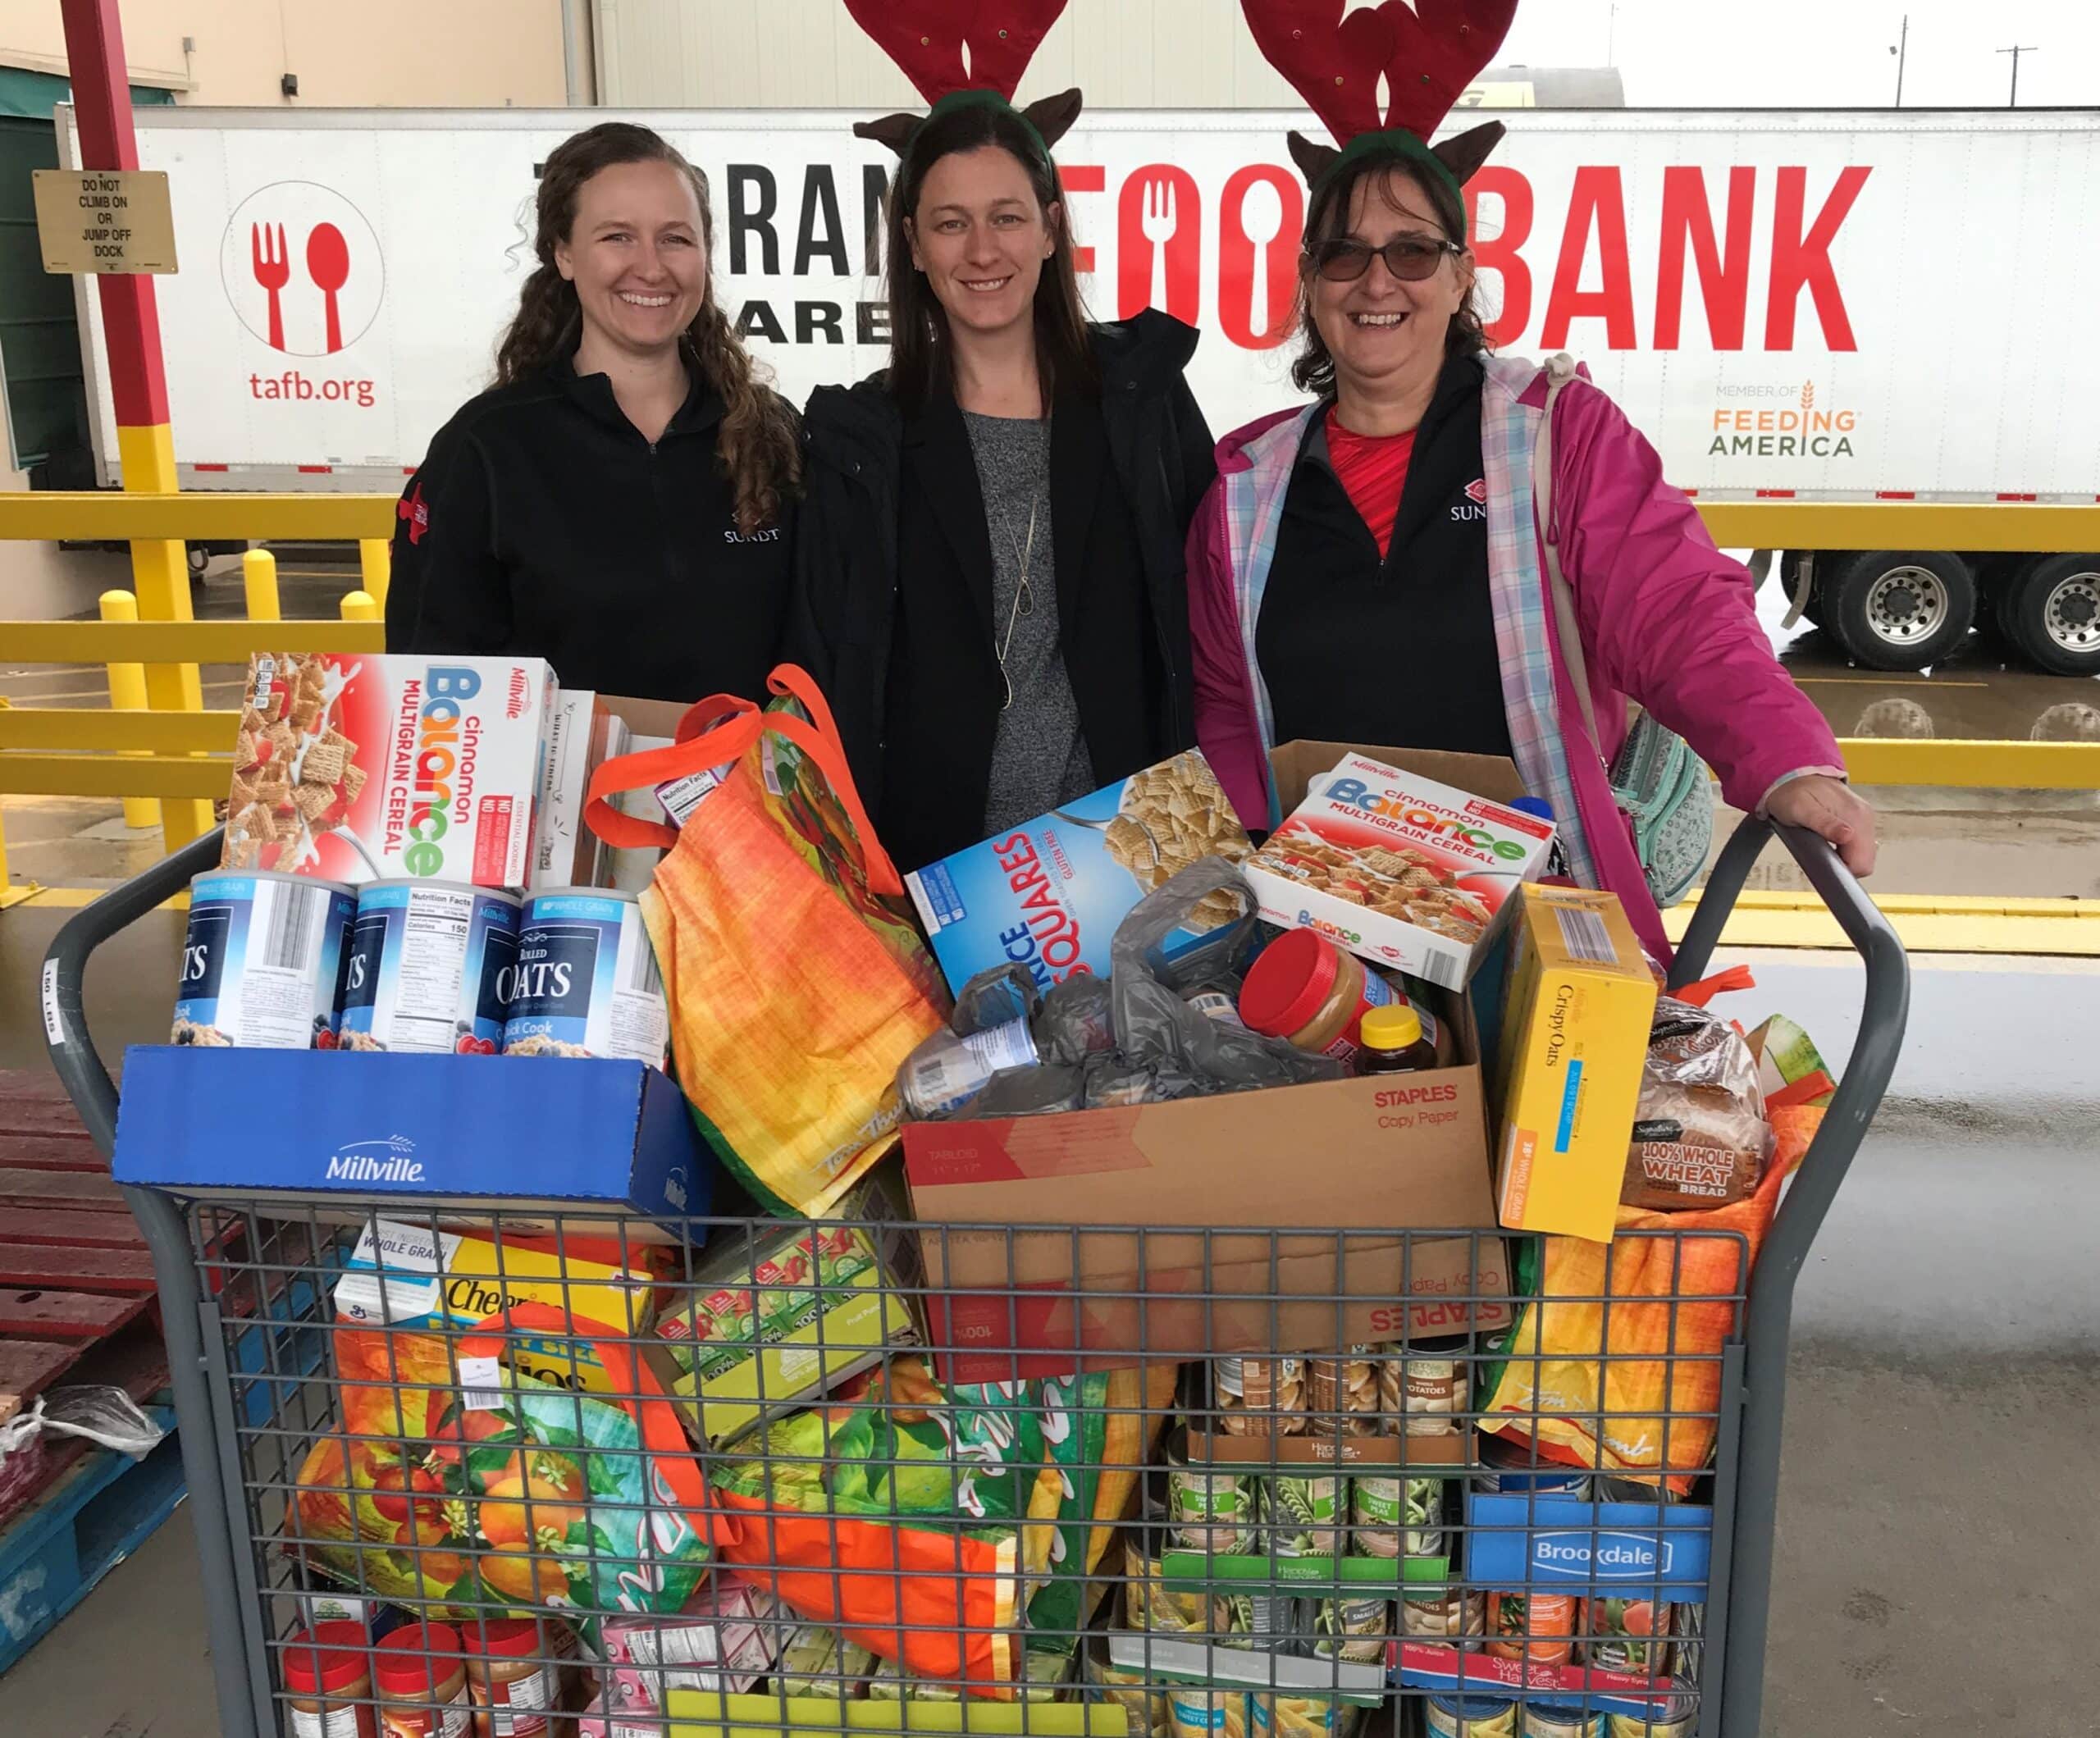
(1901, 609)
(2051, 612)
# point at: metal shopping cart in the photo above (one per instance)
(474, 1447)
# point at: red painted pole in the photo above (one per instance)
(138, 383)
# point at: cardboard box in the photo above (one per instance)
(442, 1136)
(583, 733)
(1049, 895)
(762, 1328)
(1410, 1152)
(1574, 1038)
(361, 767)
(1345, 862)
(406, 1276)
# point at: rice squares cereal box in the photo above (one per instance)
(361, 767)
(1049, 895)
(1395, 867)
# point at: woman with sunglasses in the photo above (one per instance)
(1393, 605)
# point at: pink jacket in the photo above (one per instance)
(1665, 619)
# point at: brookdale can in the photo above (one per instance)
(427, 966)
(260, 960)
(585, 983)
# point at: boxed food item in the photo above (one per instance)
(816, 1661)
(411, 1278)
(768, 1323)
(1400, 868)
(1574, 1040)
(583, 731)
(1049, 895)
(721, 1641)
(362, 767)
(1700, 1137)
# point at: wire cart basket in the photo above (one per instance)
(571, 1477)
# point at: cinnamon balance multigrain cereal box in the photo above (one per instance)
(1395, 867)
(1048, 895)
(365, 768)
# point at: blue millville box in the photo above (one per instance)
(535, 1136)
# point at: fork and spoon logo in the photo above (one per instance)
(301, 267)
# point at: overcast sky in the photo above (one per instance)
(1758, 53)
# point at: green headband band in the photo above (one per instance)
(1397, 142)
(980, 98)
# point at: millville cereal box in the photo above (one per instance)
(1406, 872)
(1049, 895)
(362, 768)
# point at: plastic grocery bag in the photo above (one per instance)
(1648, 1411)
(796, 979)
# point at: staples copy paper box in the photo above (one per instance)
(1403, 1152)
(1049, 895)
(448, 1135)
(1399, 867)
(360, 767)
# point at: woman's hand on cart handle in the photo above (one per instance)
(1834, 810)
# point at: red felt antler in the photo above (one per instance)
(926, 38)
(1429, 53)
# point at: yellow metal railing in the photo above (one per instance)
(147, 755)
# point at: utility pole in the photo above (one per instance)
(2015, 52)
(1902, 50)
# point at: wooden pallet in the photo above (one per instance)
(79, 1527)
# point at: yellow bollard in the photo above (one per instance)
(360, 606)
(127, 693)
(375, 565)
(259, 576)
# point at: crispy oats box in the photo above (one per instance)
(359, 768)
(1405, 871)
(1049, 895)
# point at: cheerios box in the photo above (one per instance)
(360, 767)
(1398, 868)
(1048, 895)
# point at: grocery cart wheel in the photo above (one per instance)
(220, 1549)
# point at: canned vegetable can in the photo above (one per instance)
(1677, 1717)
(1551, 1720)
(1210, 1507)
(1470, 1717)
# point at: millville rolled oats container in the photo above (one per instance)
(429, 967)
(261, 961)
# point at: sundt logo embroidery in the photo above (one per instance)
(1474, 507)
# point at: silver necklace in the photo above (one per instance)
(1023, 602)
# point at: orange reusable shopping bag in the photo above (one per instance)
(1632, 1386)
(796, 979)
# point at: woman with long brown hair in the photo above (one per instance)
(989, 555)
(617, 502)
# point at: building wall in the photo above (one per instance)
(346, 53)
(810, 54)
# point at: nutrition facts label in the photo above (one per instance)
(431, 965)
(279, 990)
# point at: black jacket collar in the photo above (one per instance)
(593, 394)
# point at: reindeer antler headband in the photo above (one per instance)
(1428, 53)
(929, 40)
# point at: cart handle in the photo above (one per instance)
(80, 1067)
(1884, 1013)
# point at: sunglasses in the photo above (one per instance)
(1343, 259)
